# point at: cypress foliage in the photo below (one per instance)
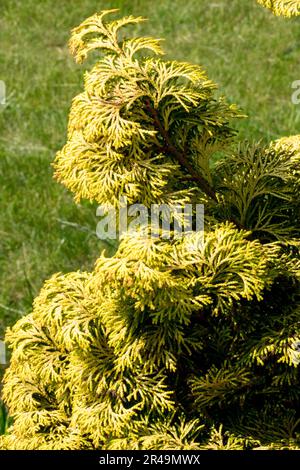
(170, 343)
(282, 7)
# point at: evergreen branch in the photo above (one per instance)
(181, 157)
(124, 356)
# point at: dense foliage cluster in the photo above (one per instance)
(172, 343)
(282, 7)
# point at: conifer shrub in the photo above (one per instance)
(282, 7)
(171, 343)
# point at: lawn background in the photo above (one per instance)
(252, 55)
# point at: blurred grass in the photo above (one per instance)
(252, 55)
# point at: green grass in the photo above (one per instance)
(253, 56)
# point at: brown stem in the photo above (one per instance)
(181, 157)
